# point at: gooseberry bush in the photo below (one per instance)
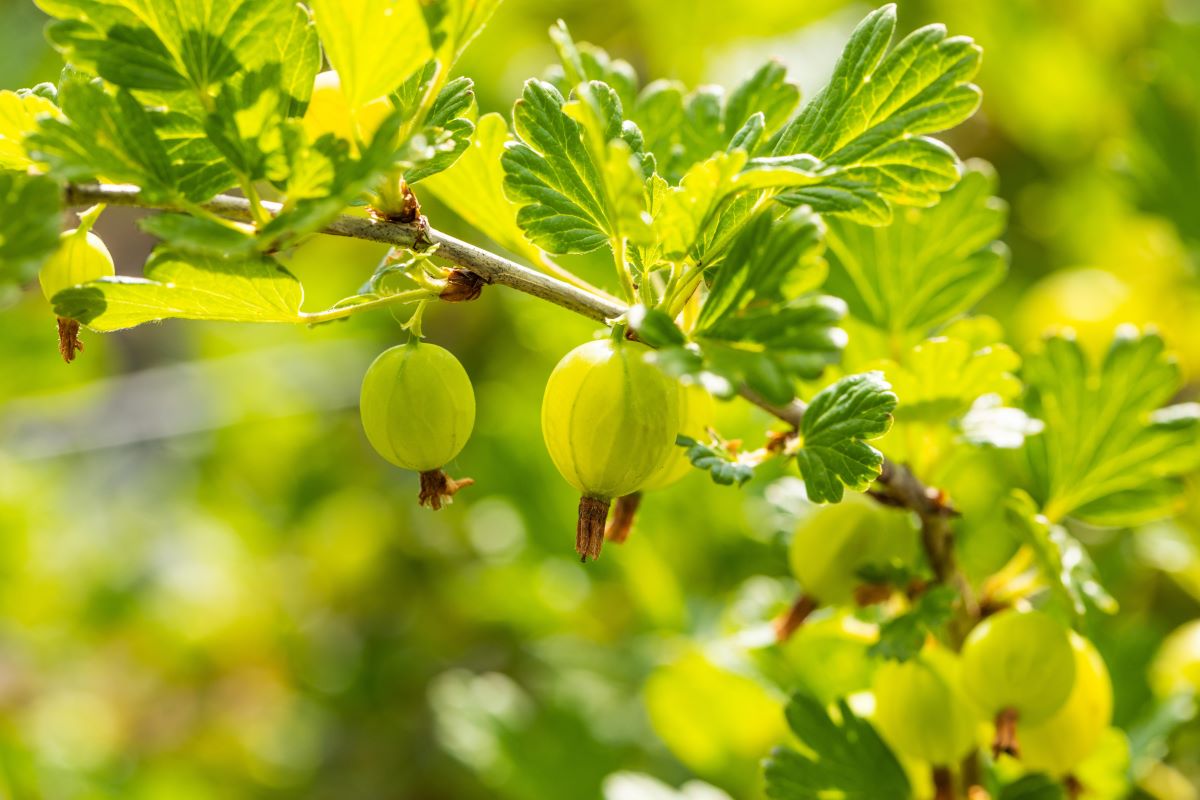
(820, 259)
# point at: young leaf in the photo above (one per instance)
(871, 122)
(374, 45)
(453, 24)
(1063, 560)
(447, 132)
(30, 220)
(19, 113)
(208, 287)
(1111, 452)
(572, 200)
(841, 757)
(723, 466)
(838, 423)
(902, 637)
(927, 266)
(166, 46)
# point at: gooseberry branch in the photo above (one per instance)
(898, 485)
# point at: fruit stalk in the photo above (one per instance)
(790, 621)
(943, 783)
(589, 532)
(623, 516)
(1006, 734)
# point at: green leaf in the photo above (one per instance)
(473, 188)
(1112, 452)
(722, 465)
(841, 757)
(1064, 561)
(30, 219)
(583, 63)
(453, 24)
(187, 234)
(902, 637)
(246, 124)
(447, 132)
(374, 45)
(838, 423)
(942, 378)
(572, 201)
(871, 122)
(19, 112)
(655, 328)
(927, 266)
(189, 286)
(167, 46)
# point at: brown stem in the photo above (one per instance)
(437, 488)
(1006, 734)
(589, 532)
(943, 783)
(621, 522)
(68, 339)
(790, 621)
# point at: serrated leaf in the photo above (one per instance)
(571, 200)
(723, 466)
(1064, 561)
(942, 378)
(873, 119)
(166, 46)
(374, 45)
(30, 218)
(902, 637)
(472, 188)
(583, 63)
(188, 234)
(654, 327)
(927, 266)
(453, 24)
(834, 758)
(19, 113)
(251, 288)
(835, 430)
(1112, 452)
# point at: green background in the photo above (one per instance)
(211, 586)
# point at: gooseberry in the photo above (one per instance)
(81, 257)
(1017, 666)
(920, 709)
(609, 418)
(418, 410)
(1061, 743)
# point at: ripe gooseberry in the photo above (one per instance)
(1017, 666)
(696, 410)
(81, 257)
(418, 409)
(920, 709)
(1062, 742)
(609, 418)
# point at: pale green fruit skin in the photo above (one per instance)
(417, 406)
(920, 709)
(1064, 741)
(835, 541)
(80, 258)
(1019, 660)
(609, 418)
(1176, 668)
(697, 409)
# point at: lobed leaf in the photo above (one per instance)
(835, 430)
(30, 220)
(925, 267)
(831, 758)
(19, 113)
(1112, 452)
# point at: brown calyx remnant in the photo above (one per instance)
(1006, 734)
(790, 621)
(68, 339)
(437, 488)
(871, 594)
(589, 533)
(462, 287)
(978, 793)
(1073, 787)
(622, 518)
(943, 783)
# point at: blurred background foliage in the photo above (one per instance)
(211, 586)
